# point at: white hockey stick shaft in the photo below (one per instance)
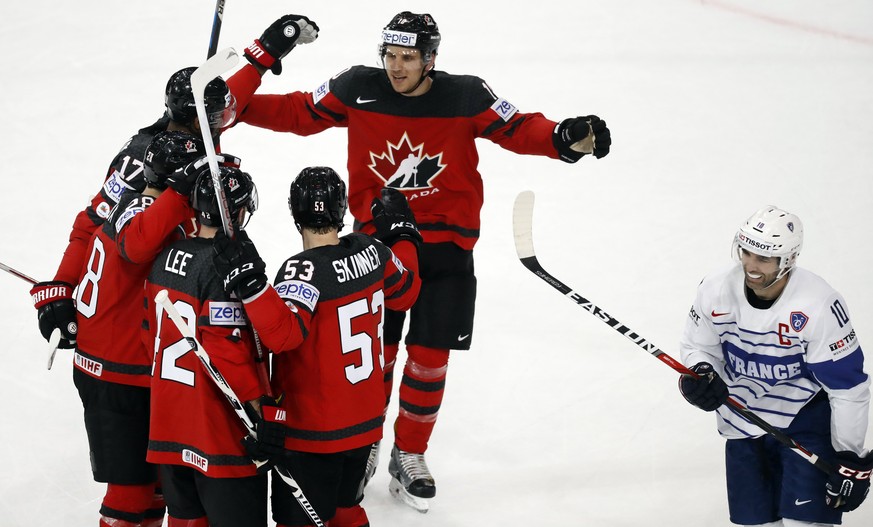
(17, 273)
(55, 337)
(216, 65)
(163, 299)
(53, 341)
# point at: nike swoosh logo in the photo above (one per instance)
(714, 314)
(804, 502)
(463, 337)
(364, 101)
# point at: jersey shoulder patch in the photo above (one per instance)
(299, 292)
(129, 205)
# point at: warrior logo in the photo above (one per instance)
(406, 167)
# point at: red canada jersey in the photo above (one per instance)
(423, 146)
(108, 298)
(192, 423)
(323, 318)
(125, 174)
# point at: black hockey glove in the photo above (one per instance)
(846, 491)
(269, 428)
(393, 218)
(579, 136)
(238, 265)
(279, 39)
(55, 309)
(708, 391)
(184, 179)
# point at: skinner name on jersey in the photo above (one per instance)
(357, 265)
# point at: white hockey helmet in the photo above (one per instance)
(772, 232)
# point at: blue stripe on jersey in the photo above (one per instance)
(753, 342)
(843, 374)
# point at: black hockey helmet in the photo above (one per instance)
(318, 199)
(239, 188)
(169, 151)
(412, 30)
(179, 99)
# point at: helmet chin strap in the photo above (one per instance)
(425, 73)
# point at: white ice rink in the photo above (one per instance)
(716, 108)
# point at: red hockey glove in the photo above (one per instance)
(279, 39)
(270, 429)
(56, 310)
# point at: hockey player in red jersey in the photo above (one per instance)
(207, 473)
(111, 366)
(53, 299)
(323, 318)
(413, 128)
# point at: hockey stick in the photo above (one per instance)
(163, 299)
(55, 337)
(522, 227)
(216, 65)
(19, 274)
(216, 28)
(220, 63)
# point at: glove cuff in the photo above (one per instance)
(561, 140)
(258, 55)
(46, 292)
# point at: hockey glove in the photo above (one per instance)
(279, 39)
(238, 265)
(184, 179)
(579, 136)
(269, 428)
(393, 218)
(55, 309)
(706, 392)
(847, 489)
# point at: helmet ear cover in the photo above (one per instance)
(771, 232)
(317, 199)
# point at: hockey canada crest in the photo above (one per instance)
(406, 167)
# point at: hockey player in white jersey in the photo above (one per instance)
(778, 339)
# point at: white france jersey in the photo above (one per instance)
(775, 360)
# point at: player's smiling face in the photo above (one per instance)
(760, 273)
(405, 67)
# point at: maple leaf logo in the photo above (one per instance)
(406, 167)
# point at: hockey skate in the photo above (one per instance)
(411, 482)
(372, 462)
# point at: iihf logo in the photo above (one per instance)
(406, 167)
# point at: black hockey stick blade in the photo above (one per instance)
(522, 226)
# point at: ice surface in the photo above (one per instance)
(716, 108)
